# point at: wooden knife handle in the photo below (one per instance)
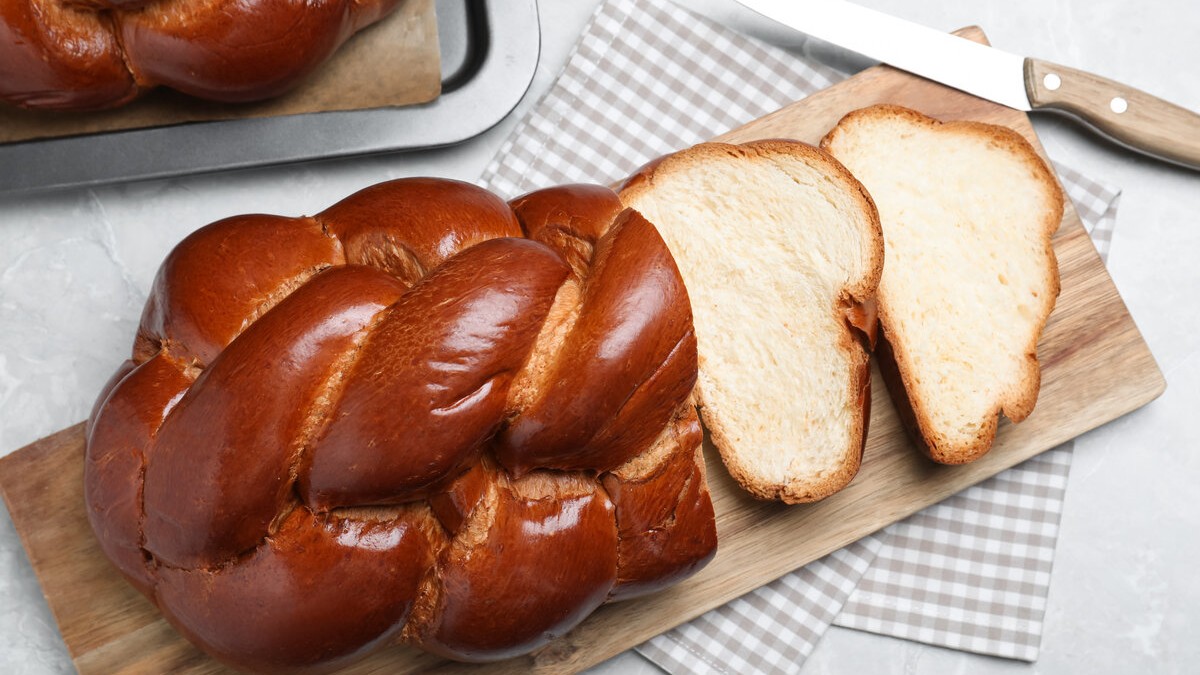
(1128, 116)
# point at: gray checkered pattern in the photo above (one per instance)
(1096, 203)
(647, 78)
(971, 572)
(771, 629)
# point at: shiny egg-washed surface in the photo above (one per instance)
(422, 414)
(95, 54)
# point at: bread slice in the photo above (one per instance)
(780, 248)
(968, 210)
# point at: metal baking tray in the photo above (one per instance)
(489, 51)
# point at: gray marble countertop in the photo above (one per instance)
(75, 267)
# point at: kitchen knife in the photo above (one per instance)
(1126, 115)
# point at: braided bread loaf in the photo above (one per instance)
(94, 54)
(421, 414)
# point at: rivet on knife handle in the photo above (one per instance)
(1130, 117)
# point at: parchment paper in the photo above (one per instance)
(395, 62)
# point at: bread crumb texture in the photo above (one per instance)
(968, 211)
(773, 239)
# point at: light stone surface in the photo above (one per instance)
(75, 266)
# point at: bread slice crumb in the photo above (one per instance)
(776, 242)
(968, 212)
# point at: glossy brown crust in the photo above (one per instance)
(323, 590)
(301, 461)
(569, 219)
(664, 514)
(56, 56)
(109, 387)
(565, 547)
(233, 457)
(121, 431)
(635, 336)
(454, 505)
(643, 176)
(431, 384)
(412, 225)
(195, 313)
(863, 318)
(62, 55)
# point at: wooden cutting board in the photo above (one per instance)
(1096, 367)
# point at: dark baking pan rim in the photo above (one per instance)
(490, 50)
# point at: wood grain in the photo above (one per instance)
(1096, 367)
(1146, 123)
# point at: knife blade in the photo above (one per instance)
(1128, 116)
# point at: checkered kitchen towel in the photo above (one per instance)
(647, 78)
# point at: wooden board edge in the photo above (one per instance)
(10, 465)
